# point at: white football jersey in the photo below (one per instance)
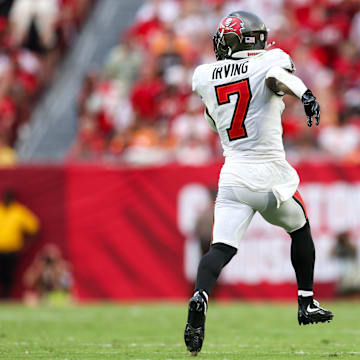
(247, 116)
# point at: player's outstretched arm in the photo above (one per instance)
(283, 82)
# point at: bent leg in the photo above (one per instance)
(291, 216)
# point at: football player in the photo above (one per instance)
(242, 92)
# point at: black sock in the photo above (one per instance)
(303, 257)
(211, 265)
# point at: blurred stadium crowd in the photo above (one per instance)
(140, 109)
(34, 35)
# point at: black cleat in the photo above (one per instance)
(310, 311)
(195, 326)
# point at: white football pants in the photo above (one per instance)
(236, 206)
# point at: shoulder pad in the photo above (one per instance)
(278, 57)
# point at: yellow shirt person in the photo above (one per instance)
(8, 157)
(16, 222)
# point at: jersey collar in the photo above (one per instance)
(246, 53)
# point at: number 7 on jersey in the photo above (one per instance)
(237, 129)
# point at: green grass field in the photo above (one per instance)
(155, 331)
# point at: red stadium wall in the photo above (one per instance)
(129, 232)
(41, 189)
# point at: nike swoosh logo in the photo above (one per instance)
(310, 310)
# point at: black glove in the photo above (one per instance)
(311, 106)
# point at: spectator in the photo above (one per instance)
(48, 278)
(90, 143)
(38, 16)
(5, 6)
(18, 225)
(123, 64)
(355, 30)
(90, 84)
(340, 141)
(146, 147)
(8, 156)
(192, 134)
(165, 10)
(346, 255)
(145, 94)
(270, 10)
(155, 99)
(32, 41)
